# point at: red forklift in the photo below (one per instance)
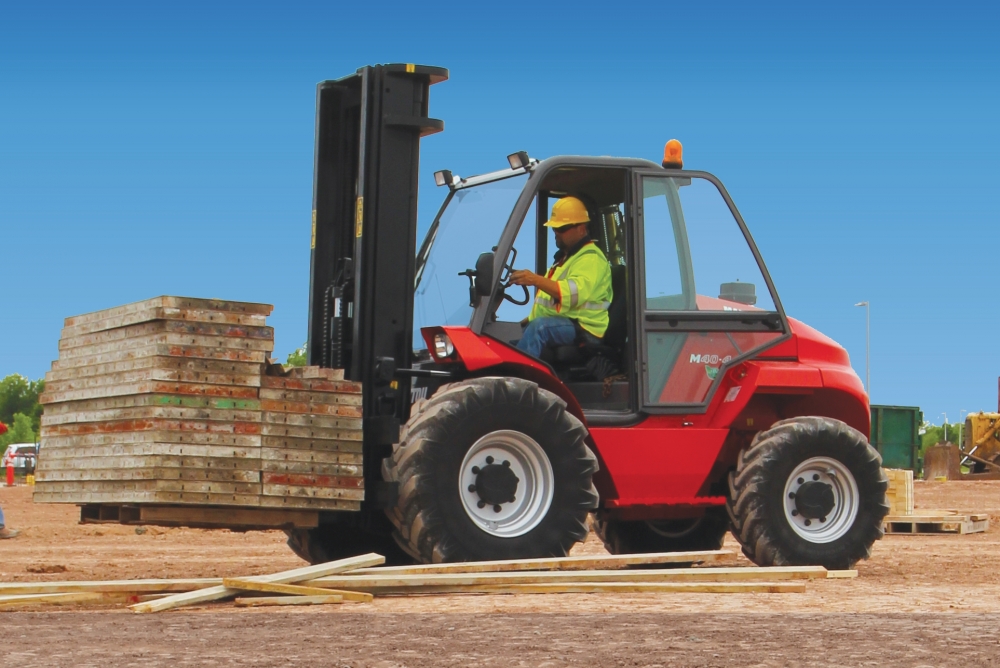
(704, 409)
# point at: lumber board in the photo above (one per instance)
(160, 400)
(577, 563)
(314, 372)
(147, 412)
(220, 343)
(348, 420)
(311, 480)
(608, 587)
(141, 586)
(121, 496)
(53, 451)
(352, 428)
(955, 525)
(264, 601)
(316, 468)
(163, 350)
(146, 485)
(177, 437)
(295, 590)
(150, 387)
(310, 398)
(312, 386)
(304, 502)
(86, 336)
(350, 443)
(245, 464)
(151, 374)
(285, 577)
(312, 492)
(151, 473)
(158, 362)
(158, 319)
(374, 583)
(121, 328)
(60, 599)
(172, 302)
(841, 575)
(338, 408)
(154, 424)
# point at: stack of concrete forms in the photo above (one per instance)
(159, 402)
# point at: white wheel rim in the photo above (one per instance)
(846, 500)
(535, 483)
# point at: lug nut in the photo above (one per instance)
(807, 522)
(815, 476)
(472, 488)
(513, 499)
(481, 504)
(822, 519)
(801, 480)
(506, 463)
(475, 470)
(489, 460)
(795, 513)
(791, 495)
(497, 508)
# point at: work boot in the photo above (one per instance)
(8, 533)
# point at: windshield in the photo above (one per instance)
(471, 223)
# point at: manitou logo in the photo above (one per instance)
(709, 359)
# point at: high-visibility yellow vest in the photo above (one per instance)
(584, 281)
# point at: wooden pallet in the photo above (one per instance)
(927, 523)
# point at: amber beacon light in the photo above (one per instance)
(672, 155)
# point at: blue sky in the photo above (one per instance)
(151, 149)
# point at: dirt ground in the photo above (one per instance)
(920, 600)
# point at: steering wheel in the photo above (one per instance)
(505, 272)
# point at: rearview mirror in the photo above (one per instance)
(484, 274)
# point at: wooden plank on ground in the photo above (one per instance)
(262, 601)
(285, 577)
(608, 587)
(841, 575)
(295, 590)
(585, 562)
(375, 583)
(144, 586)
(62, 598)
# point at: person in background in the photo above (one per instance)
(4, 531)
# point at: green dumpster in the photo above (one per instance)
(896, 435)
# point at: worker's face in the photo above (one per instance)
(569, 235)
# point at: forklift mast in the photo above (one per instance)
(368, 130)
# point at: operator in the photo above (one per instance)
(572, 299)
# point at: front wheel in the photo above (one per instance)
(491, 468)
(808, 491)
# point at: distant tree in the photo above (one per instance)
(934, 434)
(20, 395)
(20, 432)
(297, 358)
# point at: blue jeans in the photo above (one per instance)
(553, 330)
(1, 518)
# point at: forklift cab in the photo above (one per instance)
(691, 294)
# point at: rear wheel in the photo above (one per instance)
(330, 542)
(491, 468)
(706, 532)
(808, 491)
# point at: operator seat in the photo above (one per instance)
(612, 345)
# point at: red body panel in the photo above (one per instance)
(672, 460)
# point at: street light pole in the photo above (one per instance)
(961, 426)
(945, 427)
(868, 348)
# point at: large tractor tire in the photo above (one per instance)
(808, 491)
(491, 468)
(706, 532)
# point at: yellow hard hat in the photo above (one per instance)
(568, 211)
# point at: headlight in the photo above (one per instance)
(443, 347)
